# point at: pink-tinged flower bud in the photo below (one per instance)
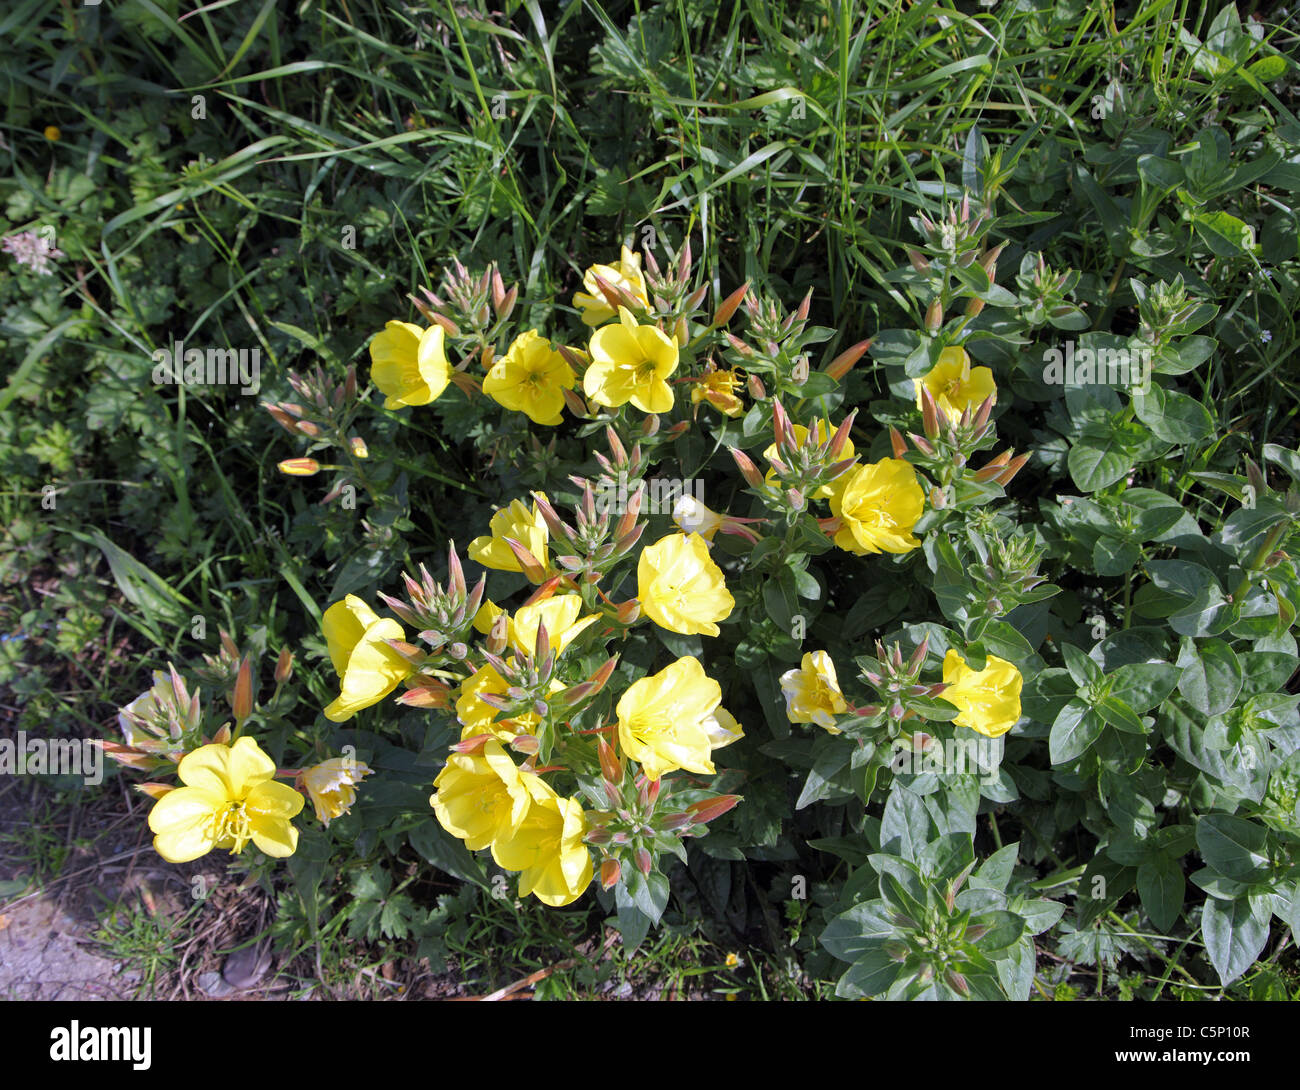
(155, 790)
(756, 388)
(696, 298)
(957, 981)
(897, 444)
(496, 640)
(747, 468)
(841, 437)
(796, 498)
(643, 861)
(707, 810)
(842, 364)
(350, 383)
(938, 499)
(628, 612)
(682, 332)
(287, 422)
(487, 357)
(922, 445)
(525, 743)
(424, 696)
(934, 316)
(609, 873)
(241, 700)
(531, 566)
(929, 414)
(801, 315)
(919, 263)
(684, 261)
(299, 467)
(448, 326)
(994, 468)
(284, 666)
(728, 306)
(223, 735)
(359, 448)
(973, 307)
(739, 345)
(473, 745)
(610, 766)
(1013, 467)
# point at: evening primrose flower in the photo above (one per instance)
(631, 362)
(530, 378)
(547, 847)
(680, 587)
(693, 517)
(516, 521)
(989, 699)
(367, 667)
(718, 388)
(665, 720)
(409, 364)
(229, 798)
(558, 613)
(955, 385)
(879, 504)
(625, 273)
(331, 786)
(480, 797)
(812, 692)
(477, 716)
(722, 728)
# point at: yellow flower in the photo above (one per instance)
(515, 521)
(824, 431)
(722, 728)
(718, 388)
(631, 362)
(367, 667)
(52, 133)
(693, 517)
(481, 796)
(229, 798)
(664, 720)
(681, 588)
(486, 616)
(625, 273)
(955, 385)
(558, 613)
(989, 699)
(812, 693)
(880, 504)
(409, 364)
(530, 379)
(331, 786)
(547, 847)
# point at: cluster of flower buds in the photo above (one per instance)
(669, 289)
(1045, 294)
(444, 615)
(1166, 311)
(948, 445)
(642, 823)
(469, 306)
(1007, 573)
(897, 680)
(589, 549)
(805, 468)
(159, 726)
(957, 238)
(323, 414)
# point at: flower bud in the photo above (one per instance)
(842, 364)
(284, 666)
(300, 467)
(934, 316)
(609, 873)
(728, 306)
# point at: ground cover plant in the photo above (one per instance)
(810, 483)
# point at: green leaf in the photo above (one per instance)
(1099, 457)
(1161, 886)
(1211, 677)
(1235, 933)
(1075, 730)
(1173, 417)
(1144, 685)
(1233, 846)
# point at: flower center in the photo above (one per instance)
(231, 823)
